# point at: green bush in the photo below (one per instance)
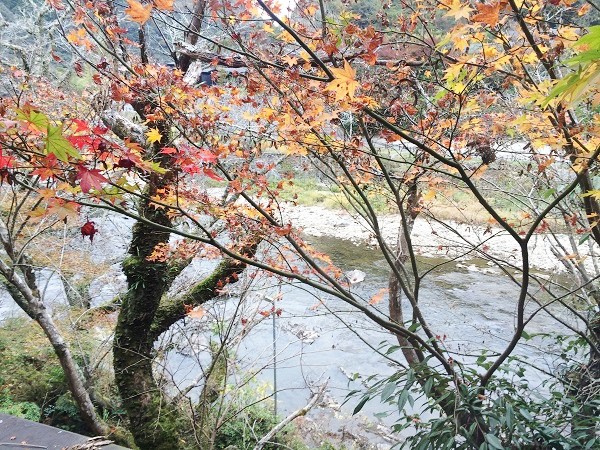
(245, 429)
(24, 410)
(29, 369)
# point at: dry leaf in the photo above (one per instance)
(165, 5)
(196, 313)
(344, 82)
(378, 296)
(137, 12)
(487, 14)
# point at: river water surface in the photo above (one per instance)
(469, 303)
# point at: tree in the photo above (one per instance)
(445, 83)
(19, 275)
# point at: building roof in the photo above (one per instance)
(21, 434)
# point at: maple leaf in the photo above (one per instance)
(30, 114)
(206, 156)
(58, 145)
(56, 4)
(90, 178)
(379, 295)
(211, 174)
(137, 12)
(166, 5)
(344, 84)
(63, 209)
(457, 10)
(153, 135)
(487, 14)
(194, 313)
(5, 161)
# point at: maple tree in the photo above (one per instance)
(426, 104)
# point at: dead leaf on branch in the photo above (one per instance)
(138, 12)
(194, 312)
(487, 14)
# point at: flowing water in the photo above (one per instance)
(470, 304)
(318, 337)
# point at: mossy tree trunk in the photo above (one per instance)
(147, 312)
(151, 422)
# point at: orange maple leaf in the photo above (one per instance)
(166, 5)
(194, 312)
(487, 14)
(137, 12)
(379, 295)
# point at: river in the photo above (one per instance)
(469, 303)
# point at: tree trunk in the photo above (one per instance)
(411, 351)
(36, 310)
(587, 389)
(74, 378)
(152, 420)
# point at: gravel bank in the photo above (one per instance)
(433, 239)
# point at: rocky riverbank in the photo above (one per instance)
(442, 240)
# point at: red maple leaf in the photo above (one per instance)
(90, 178)
(211, 174)
(5, 161)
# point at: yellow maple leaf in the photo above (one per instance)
(344, 84)
(153, 135)
(165, 5)
(457, 10)
(268, 28)
(137, 12)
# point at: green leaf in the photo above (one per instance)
(402, 399)
(584, 238)
(592, 38)
(58, 145)
(40, 120)
(509, 416)
(388, 391)
(360, 405)
(494, 441)
(427, 387)
(525, 414)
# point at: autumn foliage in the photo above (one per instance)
(447, 86)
